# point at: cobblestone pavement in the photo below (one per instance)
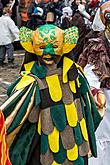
(9, 73)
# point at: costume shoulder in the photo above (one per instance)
(21, 93)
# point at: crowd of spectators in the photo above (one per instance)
(34, 13)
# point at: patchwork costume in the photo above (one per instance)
(50, 113)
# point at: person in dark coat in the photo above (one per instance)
(36, 14)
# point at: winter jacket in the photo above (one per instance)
(8, 30)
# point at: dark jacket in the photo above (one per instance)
(35, 21)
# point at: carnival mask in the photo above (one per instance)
(107, 20)
(49, 41)
(103, 10)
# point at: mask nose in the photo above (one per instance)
(49, 49)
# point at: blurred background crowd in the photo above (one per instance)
(34, 13)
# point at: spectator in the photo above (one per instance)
(23, 8)
(36, 14)
(8, 33)
(55, 7)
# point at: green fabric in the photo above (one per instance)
(10, 88)
(78, 134)
(37, 96)
(60, 156)
(20, 148)
(9, 108)
(58, 116)
(79, 161)
(90, 126)
(88, 113)
(21, 112)
(47, 29)
(39, 71)
(95, 114)
(83, 110)
(84, 84)
(44, 143)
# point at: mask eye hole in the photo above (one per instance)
(55, 46)
(42, 47)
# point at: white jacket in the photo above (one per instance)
(8, 30)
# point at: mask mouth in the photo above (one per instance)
(48, 59)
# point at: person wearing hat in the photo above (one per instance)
(36, 14)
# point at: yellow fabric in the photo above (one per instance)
(71, 114)
(72, 86)
(80, 68)
(84, 129)
(78, 83)
(54, 87)
(89, 99)
(25, 81)
(53, 139)
(12, 135)
(68, 47)
(73, 153)
(28, 46)
(29, 66)
(55, 163)
(39, 125)
(67, 63)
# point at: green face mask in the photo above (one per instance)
(48, 41)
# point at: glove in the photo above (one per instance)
(38, 11)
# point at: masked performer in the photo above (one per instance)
(50, 113)
(96, 62)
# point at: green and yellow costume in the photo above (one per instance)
(50, 112)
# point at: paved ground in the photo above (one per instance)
(8, 74)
